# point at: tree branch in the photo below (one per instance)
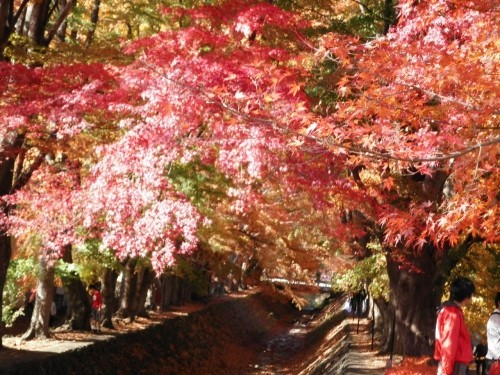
(326, 142)
(62, 16)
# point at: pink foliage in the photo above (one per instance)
(47, 209)
(202, 93)
(133, 209)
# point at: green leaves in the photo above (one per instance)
(21, 277)
(369, 272)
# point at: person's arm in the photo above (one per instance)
(449, 343)
(493, 330)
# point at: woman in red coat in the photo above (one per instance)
(453, 346)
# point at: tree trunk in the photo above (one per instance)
(129, 285)
(39, 326)
(166, 286)
(383, 323)
(94, 17)
(184, 291)
(415, 294)
(78, 314)
(21, 22)
(174, 297)
(39, 17)
(109, 305)
(63, 14)
(5, 12)
(143, 285)
(388, 16)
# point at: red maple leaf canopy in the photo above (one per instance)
(57, 105)
(414, 107)
(420, 105)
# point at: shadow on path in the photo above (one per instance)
(325, 343)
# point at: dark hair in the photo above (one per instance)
(497, 299)
(461, 288)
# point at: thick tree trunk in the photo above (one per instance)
(172, 290)
(129, 285)
(165, 292)
(415, 294)
(143, 284)
(39, 326)
(109, 305)
(417, 276)
(383, 323)
(184, 291)
(39, 17)
(78, 314)
(174, 297)
(21, 22)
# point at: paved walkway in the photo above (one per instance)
(328, 343)
(360, 359)
(346, 350)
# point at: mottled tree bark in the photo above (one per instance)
(383, 323)
(129, 285)
(5, 11)
(39, 325)
(39, 17)
(415, 293)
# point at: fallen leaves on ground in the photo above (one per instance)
(413, 366)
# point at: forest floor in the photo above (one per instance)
(278, 340)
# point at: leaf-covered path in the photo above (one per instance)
(361, 357)
(230, 336)
(324, 343)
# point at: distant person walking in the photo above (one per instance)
(95, 321)
(480, 357)
(453, 346)
(493, 333)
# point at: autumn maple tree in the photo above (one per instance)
(418, 122)
(407, 155)
(37, 128)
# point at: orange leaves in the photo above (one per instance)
(294, 88)
(412, 366)
(343, 88)
(341, 49)
(389, 183)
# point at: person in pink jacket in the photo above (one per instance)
(453, 345)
